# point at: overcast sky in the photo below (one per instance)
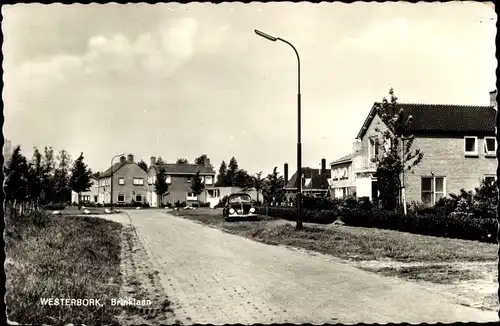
(176, 80)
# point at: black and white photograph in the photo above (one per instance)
(250, 163)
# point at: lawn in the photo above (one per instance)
(61, 257)
(352, 243)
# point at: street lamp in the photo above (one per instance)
(111, 180)
(299, 144)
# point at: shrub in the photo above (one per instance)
(451, 226)
(54, 206)
(178, 204)
(308, 215)
(203, 204)
(145, 205)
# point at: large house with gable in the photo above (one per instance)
(129, 183)
(458, 143)
(179, 177)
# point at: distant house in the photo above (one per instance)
(129, 183)
(179, 177)
(315, 182)
(458, 143)
(342, 181)
(91, 196)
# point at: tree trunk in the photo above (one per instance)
(79, 201)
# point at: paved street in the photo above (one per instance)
(220, 278)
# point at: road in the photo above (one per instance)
(220, 278)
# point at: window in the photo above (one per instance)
(489, 178)
(189, 179)
(121, 198)
(138, 181)
(208, 180)
(191, 194)
(470, 146)
(168, 179)
(150, 180)
(433, 189)
(490, 145)
(138, 198)
(121, 181)
(373, 148)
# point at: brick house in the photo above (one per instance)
(314, 182)
(129, 183)
(91, 196)
(458, 143)
(179, 178)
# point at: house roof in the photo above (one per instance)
(344, 159)
(443, 118)
(318, 181)
(184, 168)
(117, 166)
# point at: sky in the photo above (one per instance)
(181, 80)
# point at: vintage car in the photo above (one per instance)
(239, 205)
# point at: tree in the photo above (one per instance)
(62, 190)
(160, 161)
(48, 194)
(222, 179)
(161, 185)
(397, 150)
(197, 185)
(232, 170)
(143, 165)
(181, 161)
(80, 178)
(258, 183)
(35, 179)
(16, 180)
(243, 180)
(273, 190)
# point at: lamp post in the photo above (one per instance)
(299, 144)
(111, 180)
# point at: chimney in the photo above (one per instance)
(153, 161)
(493, 99)
(323, 166)
(123, 159)
(286, 173)
(206, 162)
(130, 158)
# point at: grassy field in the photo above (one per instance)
(61, 257)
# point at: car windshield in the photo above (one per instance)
(240, 199)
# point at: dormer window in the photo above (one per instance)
(470, 146)
(490, 146)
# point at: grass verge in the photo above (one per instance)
(61, 257)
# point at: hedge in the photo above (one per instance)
(308, 215)
(449, 226)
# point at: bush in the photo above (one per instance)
(178, 204)
(308, 215)
(203, 204)
(450, 226)
(145, 205)
(54, 206)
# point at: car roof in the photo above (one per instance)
(239, 194)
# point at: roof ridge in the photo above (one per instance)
(441, 104)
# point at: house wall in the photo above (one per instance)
(92, 194)
(342, 187)
(178, 189)
(129, 171)
(445, 158)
